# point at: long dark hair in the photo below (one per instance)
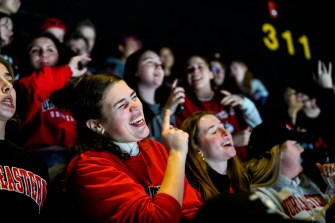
(132, 80)
(87, 104)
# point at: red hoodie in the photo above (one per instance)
(43, 124)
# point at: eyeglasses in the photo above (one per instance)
(217, 70)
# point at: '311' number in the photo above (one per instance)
(271, 40)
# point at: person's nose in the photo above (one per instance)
(6, 87)
(44, 54)
(223, 131)
(134, 105)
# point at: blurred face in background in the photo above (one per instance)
(89, 33)
(237, 71)
(167, 57)
(293, 98)
(57, 32)
(150, 71)
(198, 73)
(6, 31)
(130, 45)
(9, 7)
(43, 52)
(218, 73)
(79, 46)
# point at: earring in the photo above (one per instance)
(201, 154)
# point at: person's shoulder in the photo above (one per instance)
(18, 157)
(256, 81)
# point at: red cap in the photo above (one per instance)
(53, 23)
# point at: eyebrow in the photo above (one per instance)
(149, 58)
(213, 126)
(123, 99)
(209, 128)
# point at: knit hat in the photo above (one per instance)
(53, 22)
(268, 134)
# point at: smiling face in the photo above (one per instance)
(167, 57)
(238, 71)
(123, 114)
(198, 73)
(150, 71)
(218, 72)
(6, 30)
(43, 52)
(7, 95)
(214, 140)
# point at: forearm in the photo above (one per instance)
(173, 182)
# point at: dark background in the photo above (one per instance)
(232, 28)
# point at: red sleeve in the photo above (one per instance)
(40, 84)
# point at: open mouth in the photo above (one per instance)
(138, 121)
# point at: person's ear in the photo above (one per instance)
(211, 76)
(120, 47)
(95, 126)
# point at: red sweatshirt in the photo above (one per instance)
(43, 124)
(109, 190)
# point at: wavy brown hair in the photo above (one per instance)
(196, 167)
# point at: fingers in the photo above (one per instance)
(166, 121)
(232, 100)
(174, 84)
(319, 67)
(226, 93)
(319, 166)
(327, 169)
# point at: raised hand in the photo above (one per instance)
(327, 171)
(177, 96)
(173, 138)
(324, 76)
(74, 65)
(233, 100)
